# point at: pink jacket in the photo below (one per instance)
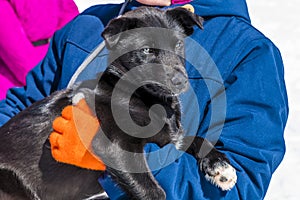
(21, 23)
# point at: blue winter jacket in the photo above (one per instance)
(237, 99)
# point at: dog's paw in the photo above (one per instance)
(219, 173)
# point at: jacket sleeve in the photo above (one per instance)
(40, 82)
(46, 76)
(16, 49)
(251, 133)
(257, 111)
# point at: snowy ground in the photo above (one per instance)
(278, 20)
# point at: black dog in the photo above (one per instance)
(149, 42)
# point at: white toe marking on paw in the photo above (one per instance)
(77, 98)
(225, 177)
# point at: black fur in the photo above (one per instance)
(28, 170)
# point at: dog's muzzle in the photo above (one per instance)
(178, 82)
(179, 79)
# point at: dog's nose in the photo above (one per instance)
(178, 79)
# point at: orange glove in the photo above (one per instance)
(73, 133)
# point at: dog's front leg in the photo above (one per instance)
(128, 168)
(138, 185)
(213, 163)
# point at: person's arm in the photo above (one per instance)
(257, 111)
(16, 50)
(252, 135)
(40, 82)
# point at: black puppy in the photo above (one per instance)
(148, 42)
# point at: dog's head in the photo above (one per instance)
(149, 35)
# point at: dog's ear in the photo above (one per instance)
(114, 29)
(185, 18)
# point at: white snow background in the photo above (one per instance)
(278, 20)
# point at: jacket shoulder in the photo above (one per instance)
(85, 32)
(229, 41)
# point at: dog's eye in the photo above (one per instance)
(179, 45)
(146, 50)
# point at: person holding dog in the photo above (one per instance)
(250, 70)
